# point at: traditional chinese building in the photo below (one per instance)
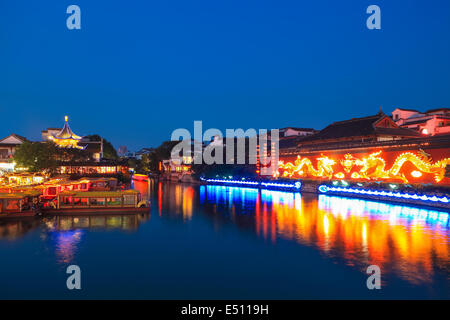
(87, 168)
(66, 138)
(369, 148)
(8, 147)
(294, 132)
(431, 122)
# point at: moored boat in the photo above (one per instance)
(15, 205)
(92, 202)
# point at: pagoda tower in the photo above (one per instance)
(66, 138)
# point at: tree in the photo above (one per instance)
(163, 152)
(37, 156)
(45, 156)
(109, 152)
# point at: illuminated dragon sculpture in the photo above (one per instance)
(324, 167)
(372, 167)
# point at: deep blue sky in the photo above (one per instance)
(139, 69)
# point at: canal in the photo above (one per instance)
(216, 242)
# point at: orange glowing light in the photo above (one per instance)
(416, 174)
(371, 167)
(340, 175)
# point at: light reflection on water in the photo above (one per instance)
(409, 242)
(406, 242)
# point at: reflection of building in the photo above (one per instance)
(399, 239)
(431, 122)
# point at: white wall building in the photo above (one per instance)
(431, 122)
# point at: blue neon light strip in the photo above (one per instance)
(324, 188)
(296, 185)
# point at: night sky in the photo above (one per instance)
(137, 70)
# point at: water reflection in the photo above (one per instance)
(407, 241)
(65, 233)
(14, 229)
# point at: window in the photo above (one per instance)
(97, 201)
(128, 200)
(12, 205)
(80, 202)
(51, 191)
(66, 201)
(3, 153)
(114, 201)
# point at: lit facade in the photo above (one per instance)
(403, 167)
(432, 122)
(372, 148)
(66, 138)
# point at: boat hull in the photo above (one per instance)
(95, 211)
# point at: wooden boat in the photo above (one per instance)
(52, 189)
(15, 205)
(93, 202)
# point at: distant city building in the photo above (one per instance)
(431, 122)
(122, 151)
(143, 151)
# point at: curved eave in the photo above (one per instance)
(68, 138)
(67, 133)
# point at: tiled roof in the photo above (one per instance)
(357, 127)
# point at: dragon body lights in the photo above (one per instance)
(407, 167)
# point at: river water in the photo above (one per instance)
(216, 242)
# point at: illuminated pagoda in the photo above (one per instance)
(66, 138)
